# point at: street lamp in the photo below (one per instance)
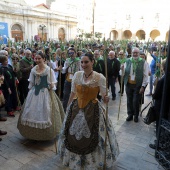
(42, 27)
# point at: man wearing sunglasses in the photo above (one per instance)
(71, 65)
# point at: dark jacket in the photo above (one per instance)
(99, 66)
(157, 96)
(9, 77)
(113, 67)
(25, 69)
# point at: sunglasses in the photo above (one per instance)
(71, 53)
(84, 62)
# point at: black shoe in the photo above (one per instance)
(0, 139)
(153, 146)
(3, 132)
(3, 118)
(136, 119)
(129, 118)
(113, 98)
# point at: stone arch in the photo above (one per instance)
(17, 32)
(113, 35)
(167, 36)
(140, 34)
(61, 34)
(127, 34)
(42, 32)
(154, 34)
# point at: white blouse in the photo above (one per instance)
(97, 80)
(50, 76)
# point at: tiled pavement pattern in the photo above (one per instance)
(17, 153)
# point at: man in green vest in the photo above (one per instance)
(135, 80)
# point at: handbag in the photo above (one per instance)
(151, 115)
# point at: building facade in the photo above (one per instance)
(133, 20)
(63, 19)
(27, 23)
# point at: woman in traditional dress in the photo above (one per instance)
(82, 138)
(42, 114)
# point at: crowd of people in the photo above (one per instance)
(59, 93)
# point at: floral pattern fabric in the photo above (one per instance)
(95, 159)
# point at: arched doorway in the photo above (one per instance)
(17, 33)
(127, 34)
(140, 34)
(113, 35)
(61, 34)
(154, 34)
(167, 36)
(42, 32)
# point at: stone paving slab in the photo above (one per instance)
(18, 153)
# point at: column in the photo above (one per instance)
(29, 33)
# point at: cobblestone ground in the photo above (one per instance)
(18, 153)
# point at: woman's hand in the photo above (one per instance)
(51, 86)
(105, 99)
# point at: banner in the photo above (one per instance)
(3, 33)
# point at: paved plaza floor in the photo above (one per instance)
(18, 153)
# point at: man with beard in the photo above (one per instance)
(113, 67)
(135, 80)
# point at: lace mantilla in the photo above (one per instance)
(79, 127)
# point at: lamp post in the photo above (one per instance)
(42, 27)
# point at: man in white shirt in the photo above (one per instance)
(135, 80)
(71, 65)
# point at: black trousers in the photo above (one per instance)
(62, 81)
(23, 88)
(119, 79)
(66, 93)
(133, 99)
(11, 101)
